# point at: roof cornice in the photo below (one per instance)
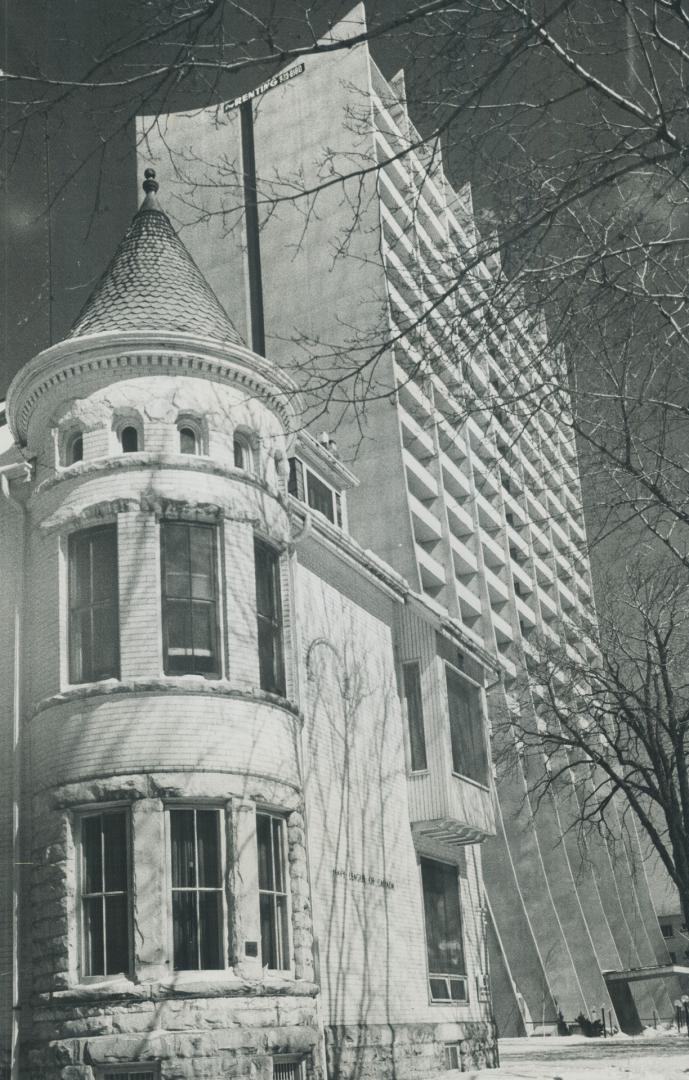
(136, 353)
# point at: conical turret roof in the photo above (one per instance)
(152, 283)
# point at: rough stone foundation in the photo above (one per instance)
(204, 1038)
(405, 1051)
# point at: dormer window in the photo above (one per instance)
(129, 439)
(305, 485)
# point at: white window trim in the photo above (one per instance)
(429, 975)
(288, 972)
(79, 815)
(222, 811)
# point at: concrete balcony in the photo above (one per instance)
(503, 628)
(493, 553)
(543, 572)
(525, 612)
(459, 519)
(540, 540)
(497, 590)
(419, 480)
(455, 480)
(469, 601)
(427, 527)
(548, 606)
(415, 438)
(465, 561)
(559, 534)
(432, 572)
(489, 517)
(520, 575)
(567, 599)
(513, 507)
(485, 477)
(411, 394)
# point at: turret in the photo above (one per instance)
(163, 792)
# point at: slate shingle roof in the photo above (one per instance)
(152, 283)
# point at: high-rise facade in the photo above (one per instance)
(352, 279)
(215, 858)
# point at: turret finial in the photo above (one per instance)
(150, 183)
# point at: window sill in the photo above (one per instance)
(202, 984)
(468, 780)
(165, 684)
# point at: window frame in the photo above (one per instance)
(485, 742)
(299, 1060)
(282, 928)
(416, 665)
(217, 601)
(74, 677)
(224, 905)
(67, 444)
(82, 815)
(129, 1068)
(299, 487)
(449, 977)
(242, 440)
(198, 429)
(277, 620)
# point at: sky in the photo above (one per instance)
(68, 159)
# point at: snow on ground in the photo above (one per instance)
(652, 1056)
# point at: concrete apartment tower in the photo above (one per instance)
(219, 854)
(482, 513)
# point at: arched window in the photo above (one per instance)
(188, 441)
(74, 448)
(243, 454)
(129, 439)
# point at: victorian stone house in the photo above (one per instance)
(214, 707)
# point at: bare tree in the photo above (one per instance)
(616, 729)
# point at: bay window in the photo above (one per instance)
(104, 886)
(467, 735)
(189, 588)
(93, 605)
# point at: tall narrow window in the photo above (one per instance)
(469, 754)
(243, 456)
(74, 450)
(269, 617)
(197, 913)
(93, 605)
(417, 735)
(190, 627)
(129, 440)
(188, 441)
(295, 484)
(272, 892)
(444, 946)
(104, 893)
